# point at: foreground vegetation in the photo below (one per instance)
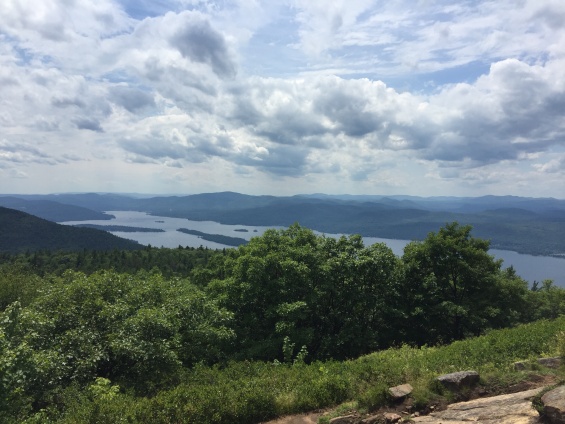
(251, 391)
(269, 328)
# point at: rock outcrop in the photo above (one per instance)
(515, 408)
(554, 405)
(458, 380)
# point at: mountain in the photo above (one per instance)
(52, 210)
(526, 225)
(20, 232)
(92, 201)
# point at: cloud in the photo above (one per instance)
(306, 91)
(278, 126)
(515, 109)
(323, 23)
(132, 99)
(552, 166)
(22, 154)
(199, 42)
(63, 102)
(88, 124)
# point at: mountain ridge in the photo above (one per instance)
(525, 225)
(21, 232)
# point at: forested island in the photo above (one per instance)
(122, 228)
(289, 322)
(216, 238)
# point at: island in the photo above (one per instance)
(122, 228)
(216, 238)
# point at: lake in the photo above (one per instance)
(531, 268)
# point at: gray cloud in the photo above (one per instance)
(278, 160)
(23, 153)
(275, 159)
(131, 99)
(43, 124)
(199, 42)
(88, 124)
(160, 149)
(63, 102)
(348, 111)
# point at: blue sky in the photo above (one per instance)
(282, 97)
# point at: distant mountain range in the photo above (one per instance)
(526, 225)
(21, 232)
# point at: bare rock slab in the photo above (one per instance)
(554, 405)
(515, 408)
(345, 419)
(457, 380)
(391, 417)
(400, 392)
(374, 419)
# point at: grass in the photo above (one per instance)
(252, 392)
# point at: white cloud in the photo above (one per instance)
(170, 87)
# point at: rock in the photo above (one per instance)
(400, 392)
(391, 417)
(554, 405)
(345, 419)
(374, 419)
(515, 408)
(457, 380)
(554, 362)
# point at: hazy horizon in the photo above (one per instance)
(148, 195)
(283, 97)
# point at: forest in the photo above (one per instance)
(287, 322)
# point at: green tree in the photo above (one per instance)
(545, 301)
(452, 287)
(326, 294)
(138, 330)
(17, 283)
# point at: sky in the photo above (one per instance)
(419, 97)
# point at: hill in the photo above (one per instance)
(20, 232)
(52, 210)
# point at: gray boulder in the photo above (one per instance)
(458, 380)
(554, 405)
(554, 362)
(400, 392)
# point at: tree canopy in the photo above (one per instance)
(454, 288)
(289, 295)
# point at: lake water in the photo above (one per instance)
(531, 268)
